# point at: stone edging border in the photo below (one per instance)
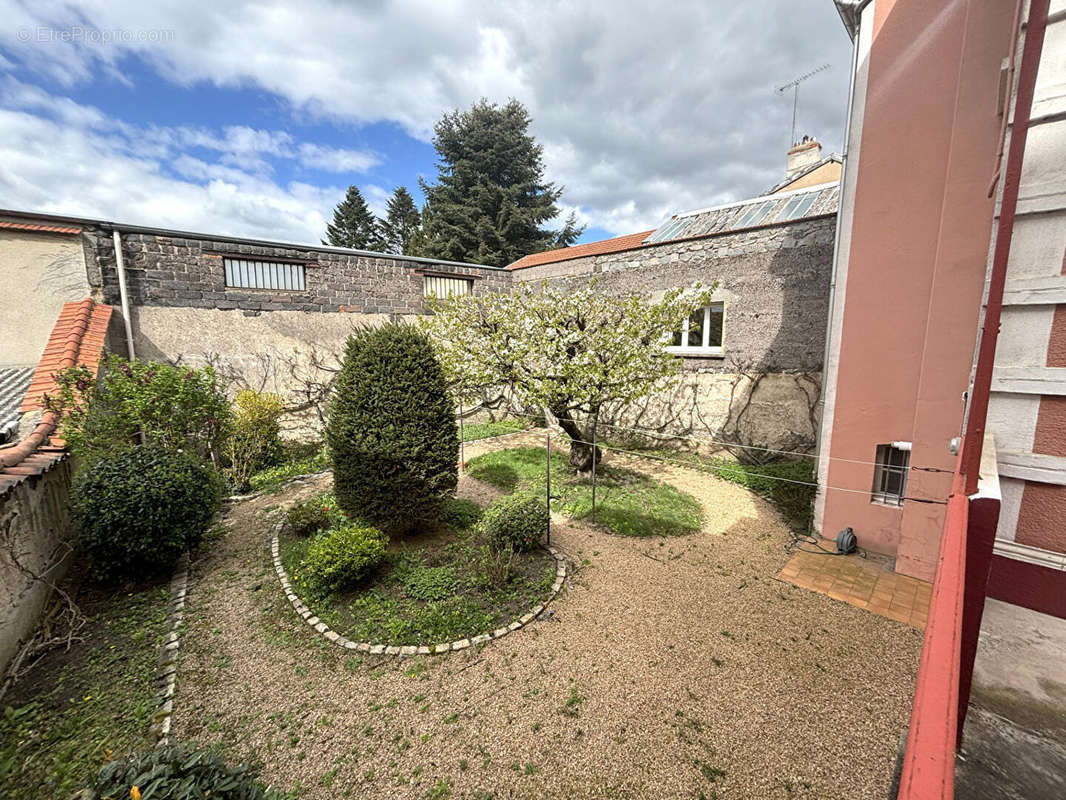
(408, 650)
(167, 677)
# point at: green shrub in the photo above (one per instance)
(391, 430)
(459, 513)
(341, 557)
(254, 441)
(318, 513)
(516, 521)
(140, 402)
(138, 511)
(177, 772)
(788, 484)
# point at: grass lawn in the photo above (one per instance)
(627, 502)
(472, 431)
(300, 459)
(435, 587)
(78, 708)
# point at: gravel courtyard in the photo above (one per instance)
(666, 668)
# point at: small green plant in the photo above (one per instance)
(572, 706)
(391, 430)
(342, 557)
(177, 772)
(318, 513)
(140, 402)
(459, 513)
(429, 583)
(254, 441)
(516, 522)
(138, 511)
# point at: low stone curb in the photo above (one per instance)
(408, 650)
(167, 678)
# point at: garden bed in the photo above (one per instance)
(80, 707)
(440, 586)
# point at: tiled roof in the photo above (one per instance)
(13, 383)
(77, 338)
(29, 226)
(614, 245)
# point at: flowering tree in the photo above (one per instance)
(566, 351)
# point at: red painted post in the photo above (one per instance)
(980, 538)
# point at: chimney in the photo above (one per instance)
(803, 154)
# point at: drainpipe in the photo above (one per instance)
(116, 237)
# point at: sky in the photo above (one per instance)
(252, 118)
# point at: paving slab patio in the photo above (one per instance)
(863, 582)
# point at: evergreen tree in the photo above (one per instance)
(401, 222)
(491, 201)
(353, 225)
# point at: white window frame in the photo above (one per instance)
(704, 349)
(883, 468)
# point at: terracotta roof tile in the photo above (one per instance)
(615, 245)
(77, 338)
(30, 226)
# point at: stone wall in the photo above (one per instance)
(35, 527)
(774, 282)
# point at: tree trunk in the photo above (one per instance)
(581, 450)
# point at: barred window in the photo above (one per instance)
(439, 286)
(890, 473)
(243, 274)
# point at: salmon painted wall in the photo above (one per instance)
(916, 264)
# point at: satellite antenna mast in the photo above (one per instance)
(794, 85)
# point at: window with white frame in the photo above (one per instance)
(890, 473)
(445, 287)
(701, 333)
(277, 275)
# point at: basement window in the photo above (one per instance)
(243, 274)
(701, 334)
(890, 473)
(444, 287)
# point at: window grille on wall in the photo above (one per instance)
(242, 274)
(438, 286)
(890, 474)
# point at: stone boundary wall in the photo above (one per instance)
(35, 526)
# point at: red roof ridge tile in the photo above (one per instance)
(617, 244)
(23, 459)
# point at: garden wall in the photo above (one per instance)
(774, 282)
(35, 529)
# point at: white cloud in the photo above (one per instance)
(644, 109)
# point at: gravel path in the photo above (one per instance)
(667, 668)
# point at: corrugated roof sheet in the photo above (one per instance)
(13, 383)
(767, 210)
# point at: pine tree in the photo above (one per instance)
(491, 201)
(353, 225)
(401, 222)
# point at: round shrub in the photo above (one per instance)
(516, 521)
(318, 513)
(138, 511)
(459, 513)
(340, 558)
(391, 430)
(177, 772)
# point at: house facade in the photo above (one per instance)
(932, 110)
(757, 350)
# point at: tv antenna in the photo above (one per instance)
(794, 85)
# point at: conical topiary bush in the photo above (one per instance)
(391, 430)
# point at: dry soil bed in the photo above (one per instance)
(673, 668)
